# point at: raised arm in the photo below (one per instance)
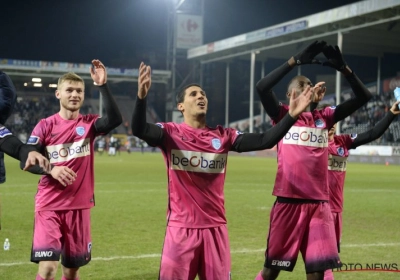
(148, 132)
(336, 61)
(265, 85)
(112, 117)
(378, 129)
(260, 141)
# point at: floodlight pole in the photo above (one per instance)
(252, 66)
(227, 96)
(262, 111)
(339, 78)
(378, 78)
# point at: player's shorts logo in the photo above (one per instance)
(353, 136)
(216, 143)
(89, 247)
(80, 130)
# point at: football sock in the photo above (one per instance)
(259, 277)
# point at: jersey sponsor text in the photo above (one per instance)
(336, 163)
(306, 136)
(198, 161)
(68, 151)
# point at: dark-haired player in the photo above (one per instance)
(300, 219)
(196, 241)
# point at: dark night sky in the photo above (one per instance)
(77, 31)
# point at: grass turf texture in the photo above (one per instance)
(128, 222)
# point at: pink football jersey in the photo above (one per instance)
(302, 156)
(67, 143)
(196, 161)
(338, 154)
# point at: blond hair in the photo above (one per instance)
(70, 76)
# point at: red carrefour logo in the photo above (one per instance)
(189, 25)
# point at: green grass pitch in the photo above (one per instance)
(128, 222)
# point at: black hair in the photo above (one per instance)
(181, 94)
(323, 105)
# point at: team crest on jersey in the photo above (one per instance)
(160, 125)
(4, 132)
(80, 130)
(33, 140)
(353, 136)
(216, 143)
(340, 151)
(319, 123)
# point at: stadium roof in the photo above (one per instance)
(50, 71)
(368, 28)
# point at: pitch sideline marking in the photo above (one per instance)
(242, 251)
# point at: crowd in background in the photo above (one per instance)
(29, 110)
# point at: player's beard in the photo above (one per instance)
(72, 107)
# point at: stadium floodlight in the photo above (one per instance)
(37, 84)
(25, 84)
(178, 3)
(53, 85)
(36, 80)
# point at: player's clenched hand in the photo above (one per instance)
(144, 80)
(98, 72)
(63, 174)
(299, 103)
(37, 158)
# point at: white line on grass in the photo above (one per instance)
(240, 251)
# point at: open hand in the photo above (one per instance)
(63, 174)
(37, 158)
(144, 80)
(335, 58)
(319, 91)
(300, 103)
(307, 56)
(98, 72)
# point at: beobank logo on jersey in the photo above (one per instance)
(198, 161)
(336, 163)
(306, 136)
(68, 151)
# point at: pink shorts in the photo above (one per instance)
(64, 233)
(189, 252)
(337, 221)
(305, 227)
